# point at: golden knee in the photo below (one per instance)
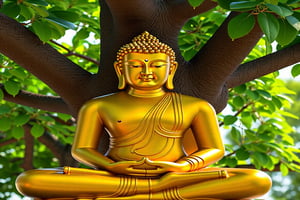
(260, 180)
(264, 181)
(31, 183)
(24, 183)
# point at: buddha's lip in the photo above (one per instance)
(147, 78)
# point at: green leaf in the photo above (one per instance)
(19, 73)
(42, 30)
(40, 11)
(238, 101)
(4, 109)
(64, 117)
(281, 11)
(295, 70)
(292, 1)
(287, 33)
(188, 55)
(11, 9)
(240, 89)
(241, 25)
(266, 136)
(225, 3)
(242, 5)
(264, 93)
(67, 15)
(275, 2)
(12, 87)
(57, 31)
(274, 146)
(195, 3)
(1, 94)
(277, 102)
(254, 95)
(294, 22)
(27, 12)
(21, 119)
(229, 119)
(242, 154)
(81, 35)
(37, 130)
(236, 135)
(284, 169)
(62, 22)
(247, 119)
(231, 161)
(38, 2)
(17, 132)
(269, 25)
(262, 158)
(5, 124)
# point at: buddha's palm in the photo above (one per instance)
(146, 167)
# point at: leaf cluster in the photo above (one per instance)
(278, 19)
(257, 126)
(49, 19)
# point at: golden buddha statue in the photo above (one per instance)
(146, 158)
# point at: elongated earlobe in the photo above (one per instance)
(169, 83)
(122, 83)
(120, 74)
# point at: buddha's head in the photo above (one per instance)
(145, 63)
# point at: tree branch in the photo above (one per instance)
(53, 144)
(60, 151)
(237, 113)
(7, 142)
(72, 53)
(22, 46)
(264, 65)
(181, 9)
(29, 146)
(215, 61)
(49, 103)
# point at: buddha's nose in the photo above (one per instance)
(146, 70)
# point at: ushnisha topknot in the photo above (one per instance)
(145, 43)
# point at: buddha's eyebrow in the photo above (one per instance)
(159, 60)
(134, 60)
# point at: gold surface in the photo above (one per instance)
(146, 158)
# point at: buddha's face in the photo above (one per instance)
(146, 71)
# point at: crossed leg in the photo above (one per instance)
(53, 183)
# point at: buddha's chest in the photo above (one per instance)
(122, 119)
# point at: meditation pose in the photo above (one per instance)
(146, 158)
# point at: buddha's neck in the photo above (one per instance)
(146, 93)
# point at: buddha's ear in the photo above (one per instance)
(169, 83)
(120, 74)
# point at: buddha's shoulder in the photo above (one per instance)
(101, 100)
(195, 103)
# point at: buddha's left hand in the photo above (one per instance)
(166, 166)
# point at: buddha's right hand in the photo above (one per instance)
(137, 168)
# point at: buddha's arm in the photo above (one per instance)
(207, 135)
(87, 137)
